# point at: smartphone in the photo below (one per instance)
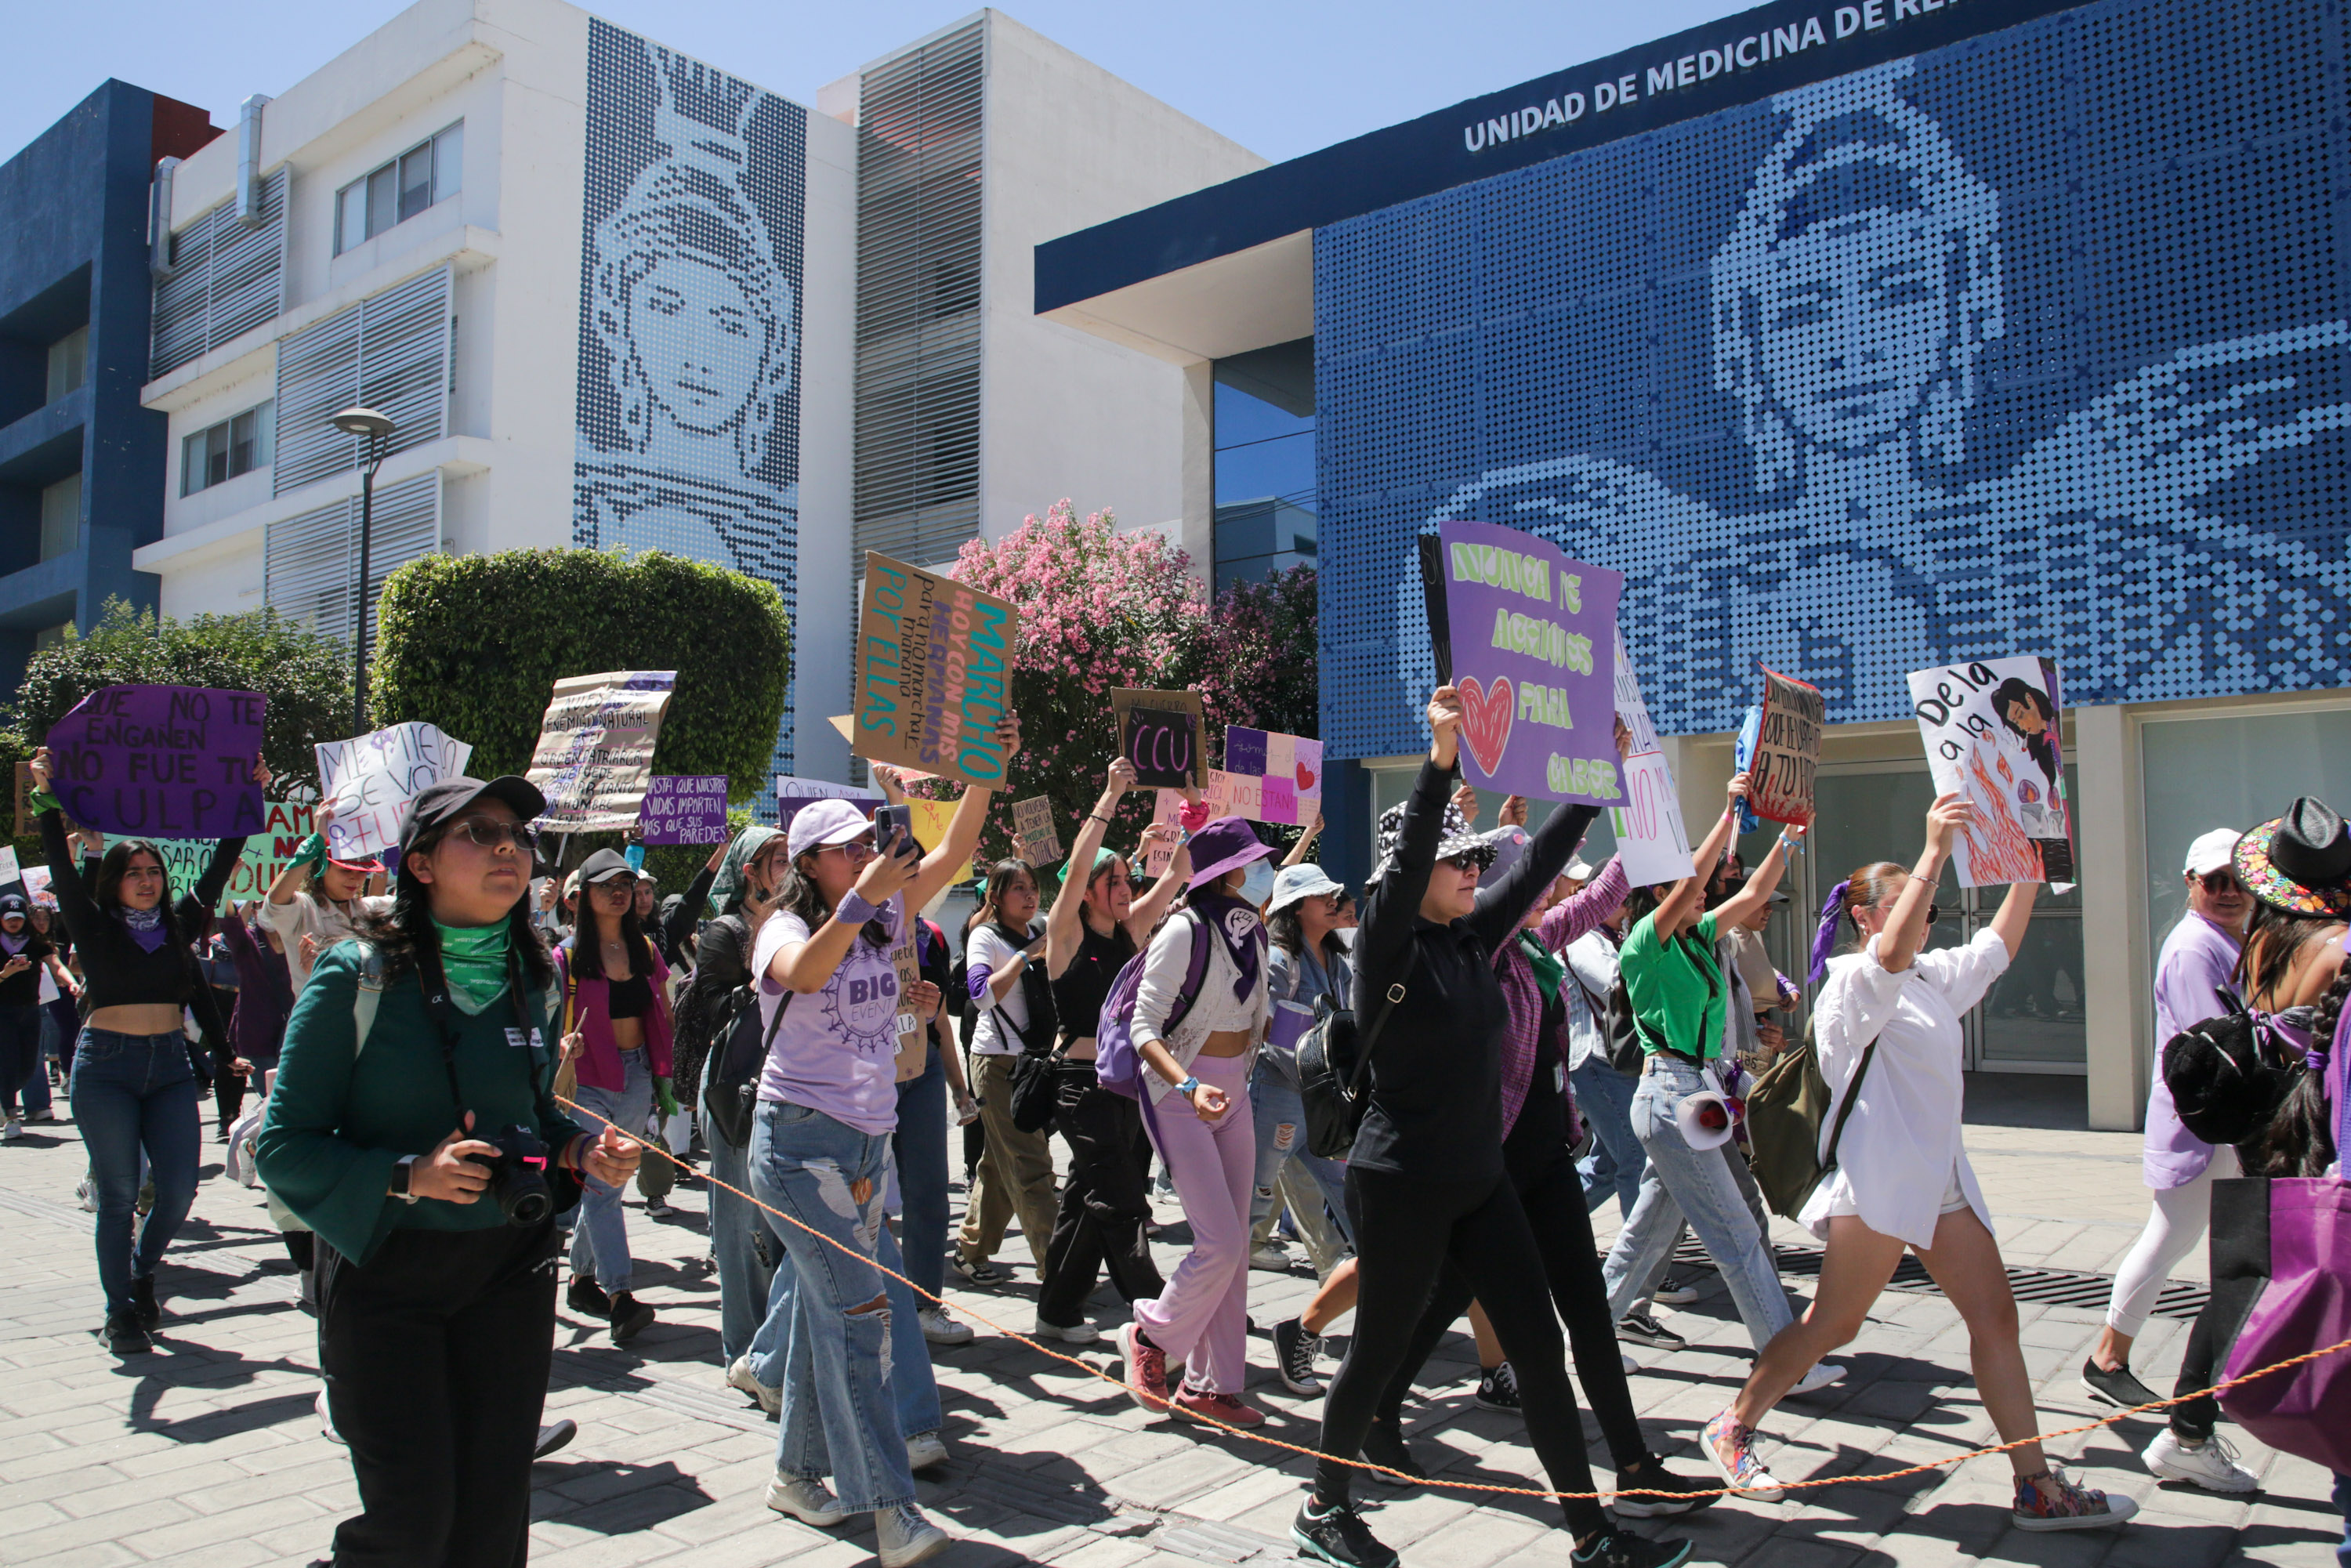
(894, 830)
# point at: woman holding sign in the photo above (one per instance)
(830, 1002)
(135, 1085)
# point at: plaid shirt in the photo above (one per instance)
(1572, 917)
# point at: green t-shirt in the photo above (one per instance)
(1676, 987)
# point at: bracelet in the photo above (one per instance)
(1186, 1087)
(855, 909)
(1793, 846)
(1098, 817)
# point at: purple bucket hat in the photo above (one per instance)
(1223, 844)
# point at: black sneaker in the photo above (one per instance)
(1674, 1291)
(1498, 1389)
(1622, 1549)
(587, 1298)
(629, 1316)
(1383, 1445)
(553, 1436)
(1641, 1328)
(2118, 1388)
(142, 1302)
(1294, 1350)
(124, 1334)
(1338, 1534)
(1687, 1493)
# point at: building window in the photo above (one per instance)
(69, 363)
(61, 518)
(234, 446)
(1264, 438)
(427, 173)
(52, 636)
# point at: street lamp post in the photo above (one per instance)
(375, 430)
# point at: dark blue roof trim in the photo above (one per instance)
(1718, 65)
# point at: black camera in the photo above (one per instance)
(518, 1177)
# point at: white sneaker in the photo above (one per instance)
(1823, 1374)
(326, 1420)
(739, 1377)
(924, 1449)
(1270, 1259)
(2210, 1464)
(1631, 1366)
(12, 1130)
(805, 1499)
(86, 1194)
(1072, 1334)
(939, 1328)
(903, 1536)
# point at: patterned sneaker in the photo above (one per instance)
(1224, 1408)
(2065, 1505)
(1147, 1369)
(1337, 1535)
(1731, 1447)
(1294, 1350)
(1498, 1389)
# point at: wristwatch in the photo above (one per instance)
(400, 1177)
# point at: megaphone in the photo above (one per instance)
(1704, 1119)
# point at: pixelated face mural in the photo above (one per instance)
(690, 313)
(1947, 357)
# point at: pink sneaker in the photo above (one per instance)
(1225, 1407)
(1147, 1369)
(1731, 1447)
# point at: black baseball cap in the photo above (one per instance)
(603, 866)
(441, 801)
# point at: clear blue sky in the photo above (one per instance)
(1281, 78)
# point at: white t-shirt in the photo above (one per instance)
(989, 949)
(837, 1048)
(312, 915)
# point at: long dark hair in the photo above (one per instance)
(2041, 747)
(107, 891)
(406, 930)
(1000, 877)
(588, 955)
(2275, 938)
(1287, 928)
(801, 896)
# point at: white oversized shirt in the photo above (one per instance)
(1902, 1143)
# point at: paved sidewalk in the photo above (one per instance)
(207, 1455)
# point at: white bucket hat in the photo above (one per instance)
(1300, 882)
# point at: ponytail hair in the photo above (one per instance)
(1866, 887)
(2299, 1140)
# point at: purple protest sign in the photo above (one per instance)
(686, 809)
(160, 762)
(1534, 655)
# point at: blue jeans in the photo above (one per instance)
(1281, 1136)
(135, 1093)
(842, 1362)
(1683, 1183)
(745, 1280)
(1614, 1166)
(920, 1148)
(20, 1058)
(599, 1237)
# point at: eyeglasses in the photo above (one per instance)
(490, 834)
(857, 850)
(2217, 882)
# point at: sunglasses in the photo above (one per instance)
(490, 834)
(2217, 882)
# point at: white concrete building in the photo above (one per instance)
(616, 298)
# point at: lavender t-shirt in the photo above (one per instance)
(2197, 956)
(837, 1049)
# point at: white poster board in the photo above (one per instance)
(1991, 732)
(1651, 841)
(370, 778)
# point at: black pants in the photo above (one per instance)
(1555, 1205)
(436, 1352)
(1407, 1230)
(1104, 1203)
(2193, 1422)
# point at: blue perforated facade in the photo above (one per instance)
(2030, 343)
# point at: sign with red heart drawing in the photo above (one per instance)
(1533, 653)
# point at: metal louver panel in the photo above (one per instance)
(226, 279)
(309, 561)
(389, 352)
(918, 286)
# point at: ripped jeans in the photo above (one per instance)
(1281, 1140)
(804, 1163)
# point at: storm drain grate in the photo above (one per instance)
(2040, 1287)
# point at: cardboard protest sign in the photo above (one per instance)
(160, 761)
(595, 753)
(1651, 839)
(26, 825)
(934, 657)
(914, 1056)
(1160, 733)
(36, 886)
(370, 778)
(686, 809)
(1533, 654)
(9, 870)
(1787, 749)
(1272, 776)
(1033, 831)
(267, 853)
(1991, 729)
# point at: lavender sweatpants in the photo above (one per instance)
(1201, 1320)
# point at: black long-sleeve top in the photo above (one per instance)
(722, 965)
(682, 921)
(1436, 1068)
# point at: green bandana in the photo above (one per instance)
(1549, 968)
(474, 960)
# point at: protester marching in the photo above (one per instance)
(461, 1019)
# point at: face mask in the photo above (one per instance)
(1256, 883)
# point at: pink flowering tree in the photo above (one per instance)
(1259, 667)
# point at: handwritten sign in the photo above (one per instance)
(266, 854)
(1787, 749)
(793, 793)
(1533, 654)
(9, 870)
(160, 761)
(934, 657)
(1033, 831)
(1991, 729)
(1160, 733)
(595, 754)
(371, 780)
(686, 809)
(1651, 839)
(913, 1054)
(1272, 776)
(36, 886)
(932, 819)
